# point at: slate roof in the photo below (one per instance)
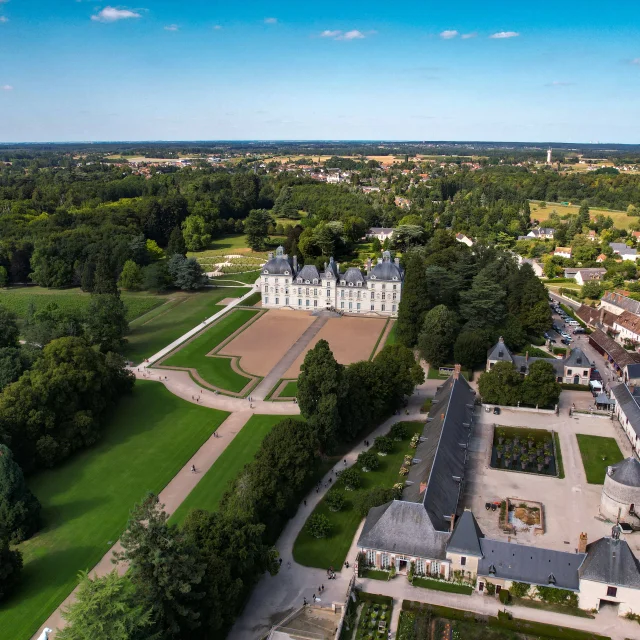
(576, 358)
(629, 321)
(626, 472)
(500, 352)
(611, 561)
(591, 274)
(403, 527)
(331, 269)
(633, 371)
(616, 352)
(352, 274)
(622, 249)
(309, 272)
(522, 563)
(522, 364)
(623, 302)
(386, 270)
(278, 266)
(443, 454)
(465, 538)
(628, 405)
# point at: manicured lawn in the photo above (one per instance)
(209, 491)
(18, 299)
(150, 333)
(376, 574)
(441, 585)
(249, 277)
(216, 371)
(291, 390)
(332, 551)
(251, 300)
(391, 337)
(86, 502)
(597, 454)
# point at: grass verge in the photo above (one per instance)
(597, 454)
(332, 550)
(86, 501)
(556, 608)
(164, 324)
(441, 585)
(214, 370)
(240, 451)
(556, 442)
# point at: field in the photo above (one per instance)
(233, 244)
(19, 299)
(216, 371)
(209, 491)
(164, 324)
(351, 339)
(86, 501)
(620, 218)
(597, 454)
(332, 550)
(264, 343)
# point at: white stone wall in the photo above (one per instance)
(617, 498)
(592, 592)
(627, 428)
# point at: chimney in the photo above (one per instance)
(452, 522)
(295, 264)
(338, 267)
(442, 416)
(325, 266)
(270, 255)
(582, 543)
(456, 371)
(602, 315)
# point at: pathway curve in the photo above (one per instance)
(274, 597)
(171, 496)
(271, 379)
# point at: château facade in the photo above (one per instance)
(284, 284)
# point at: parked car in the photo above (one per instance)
(546, 335)
(566, 341)
(552, 341)
(496, 411)
(564, 334)
(578, 331)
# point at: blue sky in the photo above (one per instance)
(413, 70)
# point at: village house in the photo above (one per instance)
(584, 275)
(460, 237)
(592, 235)
(601, 258)
(627, 326)
(573, 369)
(284, 284)
(382, 233)
(562, 252)
(617, 303)
(541, 233)
(621, 249)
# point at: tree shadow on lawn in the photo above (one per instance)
(49, 569)
(54, 516)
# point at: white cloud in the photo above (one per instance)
(271, 20)
(466, 36)
(4, 19)
(328, 33)
(636, 61)
(7, 87)
(504, 34)
(559, 83)
(171, 27)
(217, 27)
(449, 34)
(111, 14)
(352, 35)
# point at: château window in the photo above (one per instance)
(372, 295)
(463, 561)
(371, 557)
(384, 295)
(307, 292)
(420, 566)
(277, 300)
(382, 307)
(266, 300)
(612, 592)
(384, 286)
(299, 302)
(384, 561)
(394, 295)
(394, 287)
(372, 308)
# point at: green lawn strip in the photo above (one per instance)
(545, 606)
(434, 373)
(252, 299)
(155, 331)
(332, 550)
(19, 299)
(391, 337)
(214, 370)
(290, 390)
(86, 502)
(534, 352)
(559, 463)
(376, 574)
(597, 454)
(375, 346)
(441, 585)
(241, 450)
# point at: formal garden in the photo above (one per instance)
(376, 478)
(368, 617)
(597, 454)
(524, 450)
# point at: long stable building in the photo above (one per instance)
(428, 529)
(284, 284)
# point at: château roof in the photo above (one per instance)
(610, 560)
(465, 538)
(626, 472)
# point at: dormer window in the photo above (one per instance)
(307, 282)
(351, 284)
(359, 284)
(315, 281)
(395, 277)
(342, 282)
(265, 271)
(286, 273)
(373, 277)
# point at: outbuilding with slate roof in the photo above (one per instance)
(621, 491)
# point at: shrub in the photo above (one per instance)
(335, 500)
(490, 588)
(398, 431)
(373, 497)
(351, 479)
(368, 461)
(383, 444)
(520, 589)
(426, 406)
(318, 525)
(504, 596)
(552, 595)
